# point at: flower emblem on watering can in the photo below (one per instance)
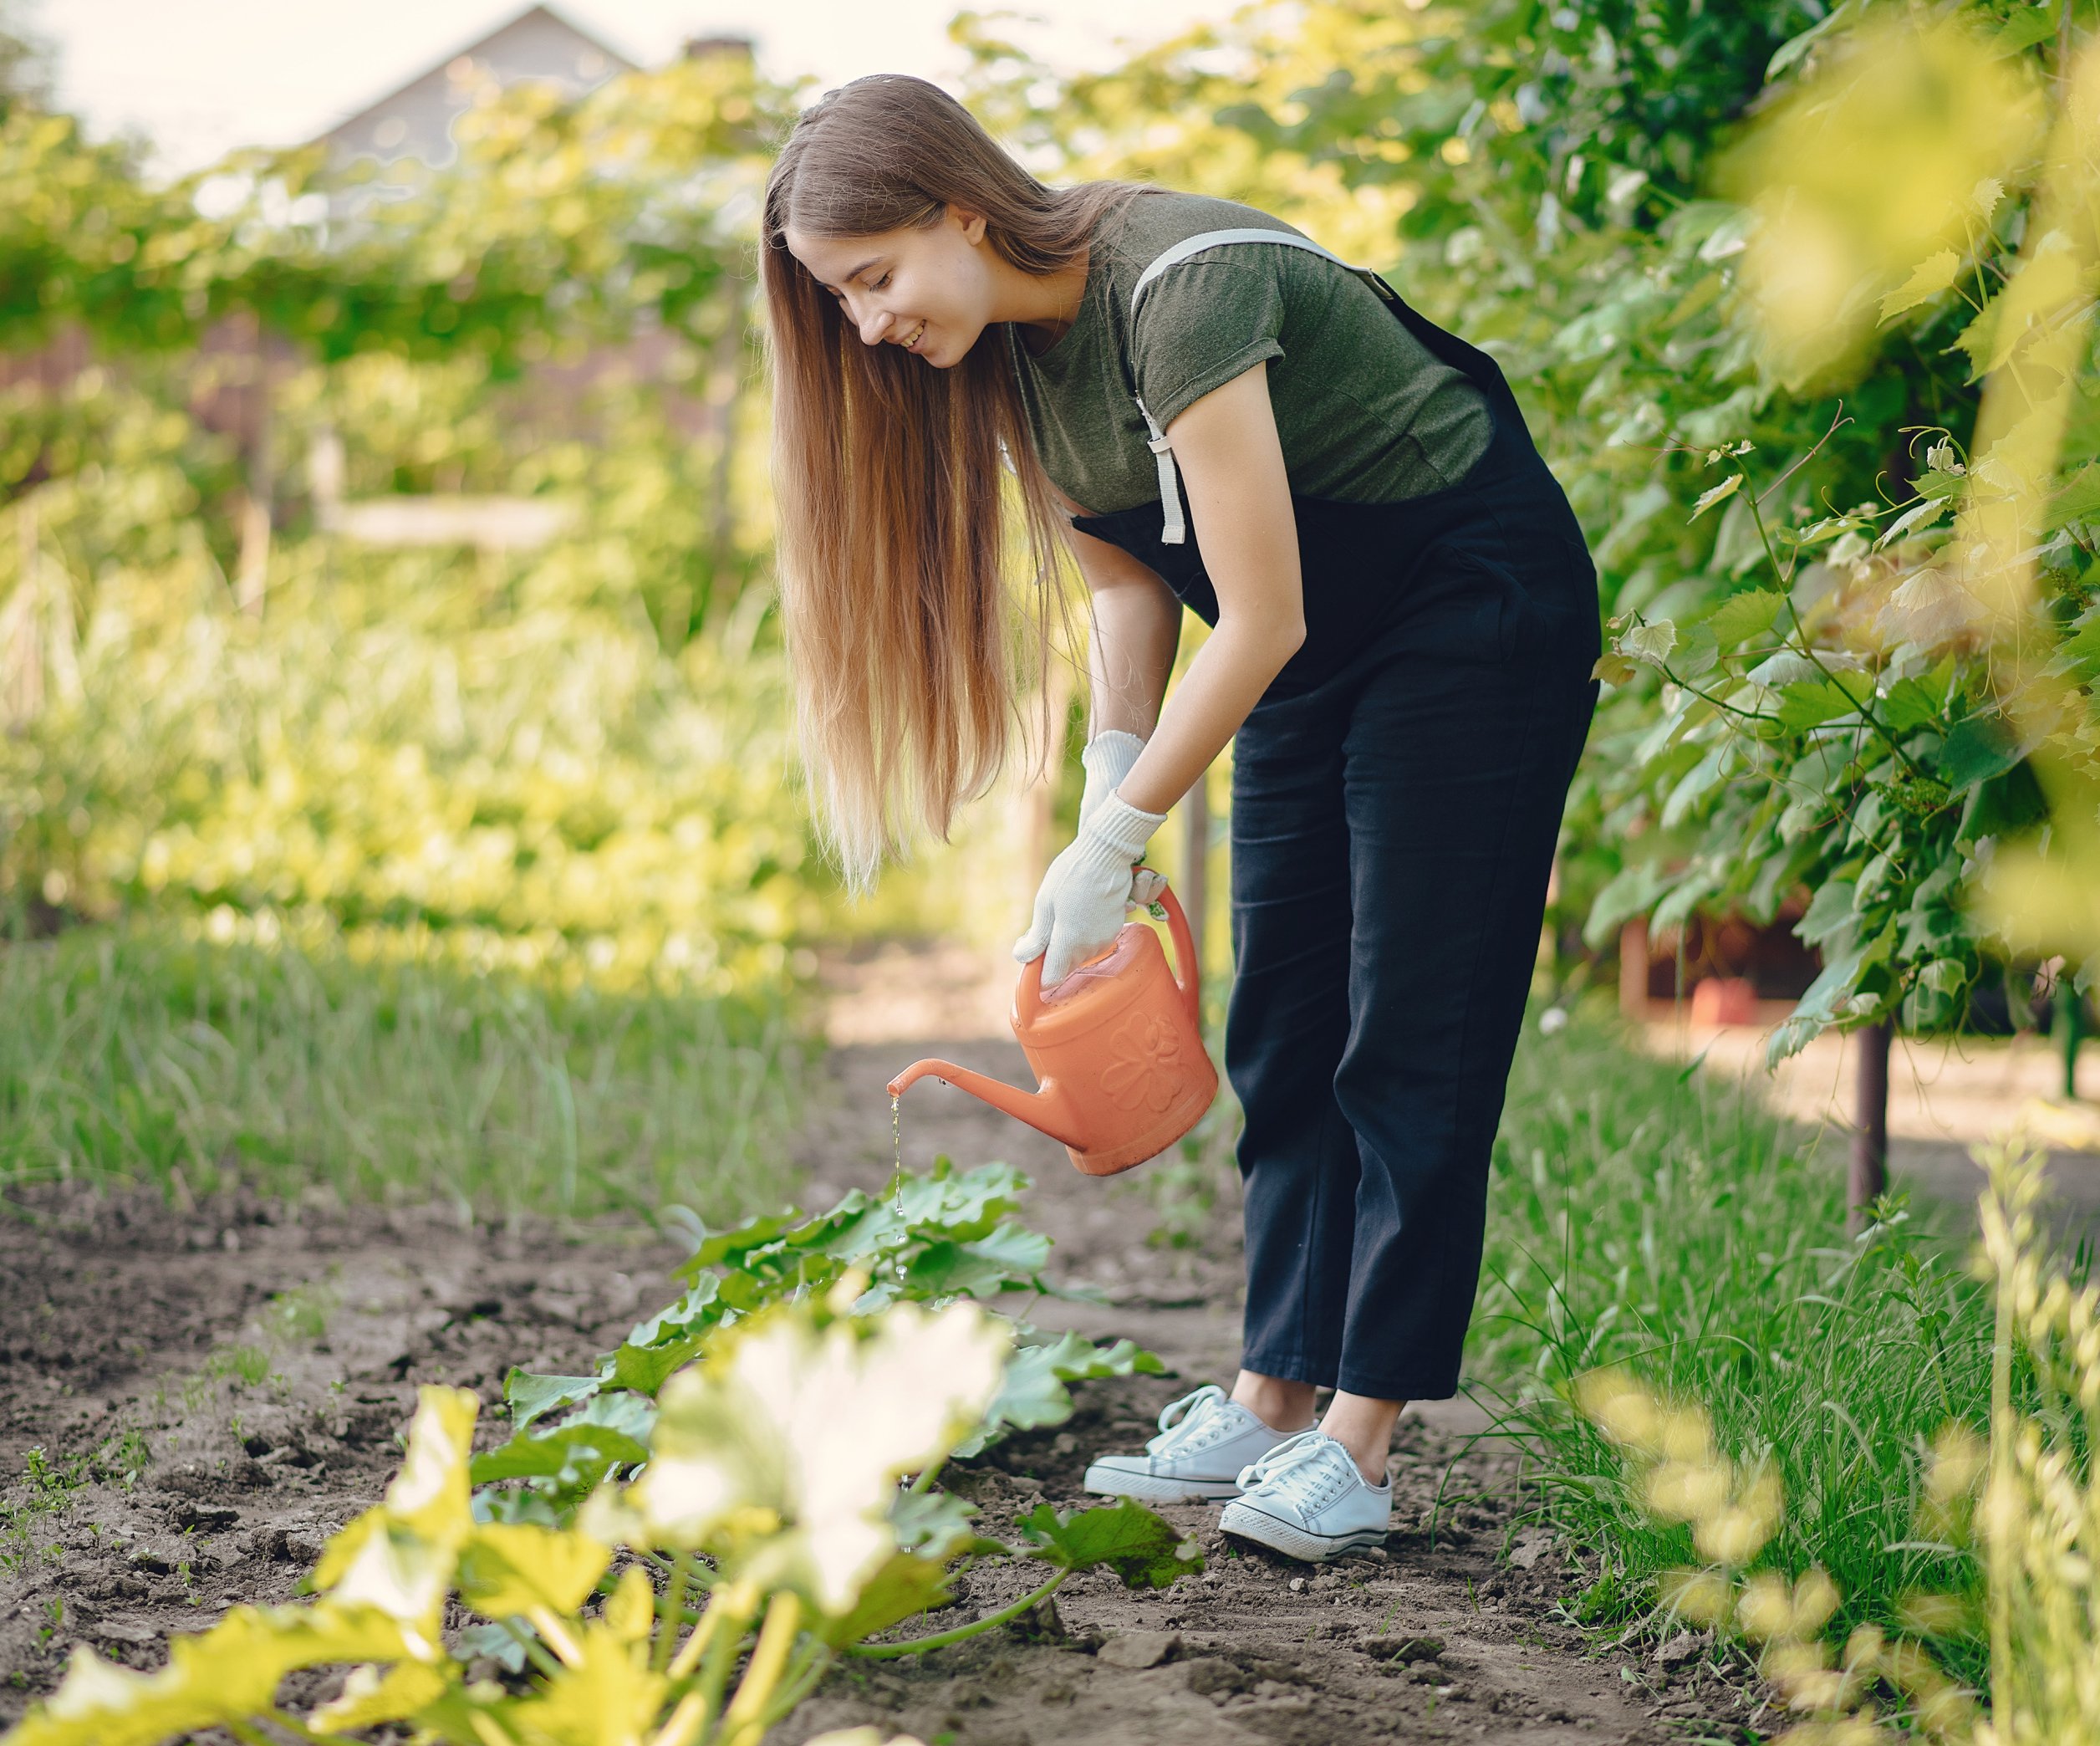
(1144, 1067)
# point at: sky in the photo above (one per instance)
(200, 77)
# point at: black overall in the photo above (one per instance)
(1396, 796)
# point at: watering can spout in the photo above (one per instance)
(1043, 1110)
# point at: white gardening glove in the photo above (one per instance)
(1107, 760)
(1083, 897)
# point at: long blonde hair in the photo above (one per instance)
(888, 475)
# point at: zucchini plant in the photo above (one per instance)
(930, 1238)
(764, 1532)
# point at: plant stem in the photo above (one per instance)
(1808, 649)
(920, 1645)
(808, 1666)
(534, 1653)
(673, 1613)
(718, 1634)
(556, 1636)
(704, 1628)
(744, 1719)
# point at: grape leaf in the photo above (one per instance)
(1933, 275)
(1719, 493)
(1976, 750)
(1742, 616)
(1650, 642)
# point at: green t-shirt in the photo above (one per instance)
(1367, 415)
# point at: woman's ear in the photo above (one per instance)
(971, 224)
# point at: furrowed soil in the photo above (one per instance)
(192, 1400)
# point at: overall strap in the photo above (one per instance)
(1176, 531)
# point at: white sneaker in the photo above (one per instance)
(1305, 1498)
(1205, 1440)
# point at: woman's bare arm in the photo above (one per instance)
(1226, 447)
(1136, 627)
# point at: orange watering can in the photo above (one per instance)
(1117, 1047)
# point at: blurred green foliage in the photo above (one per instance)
(1564, 186)
(562, 221)
(530, 756)
(294, 1061)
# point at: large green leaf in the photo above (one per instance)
(2077, 499)
(1933, 275)
(1812, 702)
(1830, 912)
(1032, 1392)
(1976, 750)
(1819, 1008)
(1008, 1259)
(532, 1396)
(572, 1455)
(644, 1369)
(1141, 1548)
(1742, 616)
(695, 1309)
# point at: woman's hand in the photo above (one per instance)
(1089, 888)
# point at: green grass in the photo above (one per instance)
(1640, 1215)
(134, 1056)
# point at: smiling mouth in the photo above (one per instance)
(918, 334)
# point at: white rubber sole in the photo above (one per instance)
(1109, 1482)
(1292, 1541)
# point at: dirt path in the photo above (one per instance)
(1441, 1636)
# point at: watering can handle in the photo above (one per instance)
(1027, 997)
(1188, 975)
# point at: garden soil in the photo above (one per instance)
(193, 1398)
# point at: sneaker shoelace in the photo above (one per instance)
(1303, 1471)
(1192, 1421)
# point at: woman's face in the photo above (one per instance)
(930, 291)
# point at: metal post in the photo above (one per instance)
(1870, 1118)
(1193, 887)
(2070, 1030)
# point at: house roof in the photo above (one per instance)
(414, 119)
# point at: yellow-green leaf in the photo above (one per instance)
(506, 1568)
(371, 1697)
(631, 1608)
(1651, 643)
(1727, 488)
(605, 1695)
(228, 1673)
(1932, 276)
